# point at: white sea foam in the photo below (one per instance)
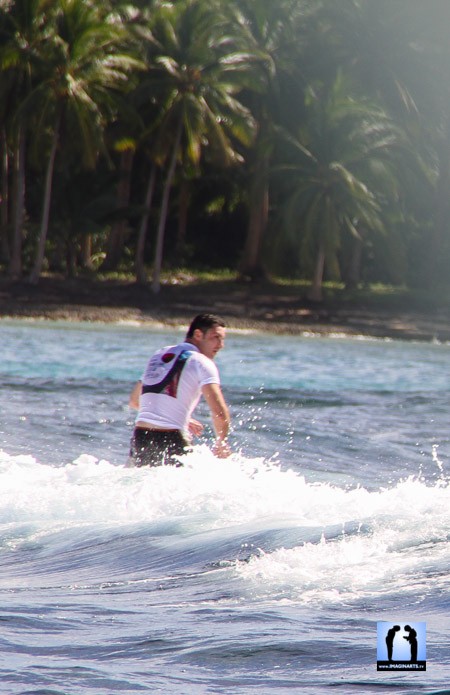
(401, 537)
(364, 542)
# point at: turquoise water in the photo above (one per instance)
(266, 572)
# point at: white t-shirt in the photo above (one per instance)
(172, 383)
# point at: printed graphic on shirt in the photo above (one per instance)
(165, 375)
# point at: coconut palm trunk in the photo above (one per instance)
(117, 236)
(15, 266)
(141, 276)
(4, 198)
(315, 291)
(354, 269)
(440, 224)
(40, 253)
(156, 279)
(86, 252)
(184, 201)
(251, 265)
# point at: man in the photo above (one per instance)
(173, 382)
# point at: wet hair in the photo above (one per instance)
(204, 322)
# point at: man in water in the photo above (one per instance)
(174, 380)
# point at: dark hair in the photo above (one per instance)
(204, 322)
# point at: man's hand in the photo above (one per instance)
(195, 427)
(221, 449)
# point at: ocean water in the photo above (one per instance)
(265, 573)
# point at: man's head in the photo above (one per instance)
(207, 333)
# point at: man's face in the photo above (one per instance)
(211, 341)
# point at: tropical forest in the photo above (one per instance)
(299, 139)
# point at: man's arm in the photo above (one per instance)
(220, 418)
(133, 401)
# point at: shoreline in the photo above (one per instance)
(266, 308)
(378, 330)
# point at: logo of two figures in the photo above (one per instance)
(411, 637)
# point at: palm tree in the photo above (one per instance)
(196, 76)
(126, 136)
(430, 36)
(271, 33)
(398, 53)
(24, 31)
(87, 65)
(339, 172)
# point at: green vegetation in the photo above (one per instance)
(304, 139)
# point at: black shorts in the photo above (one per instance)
(156, 447)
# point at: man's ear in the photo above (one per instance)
(198, 334)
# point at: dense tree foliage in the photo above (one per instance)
(310, 138)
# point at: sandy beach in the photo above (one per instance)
(267, 307)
